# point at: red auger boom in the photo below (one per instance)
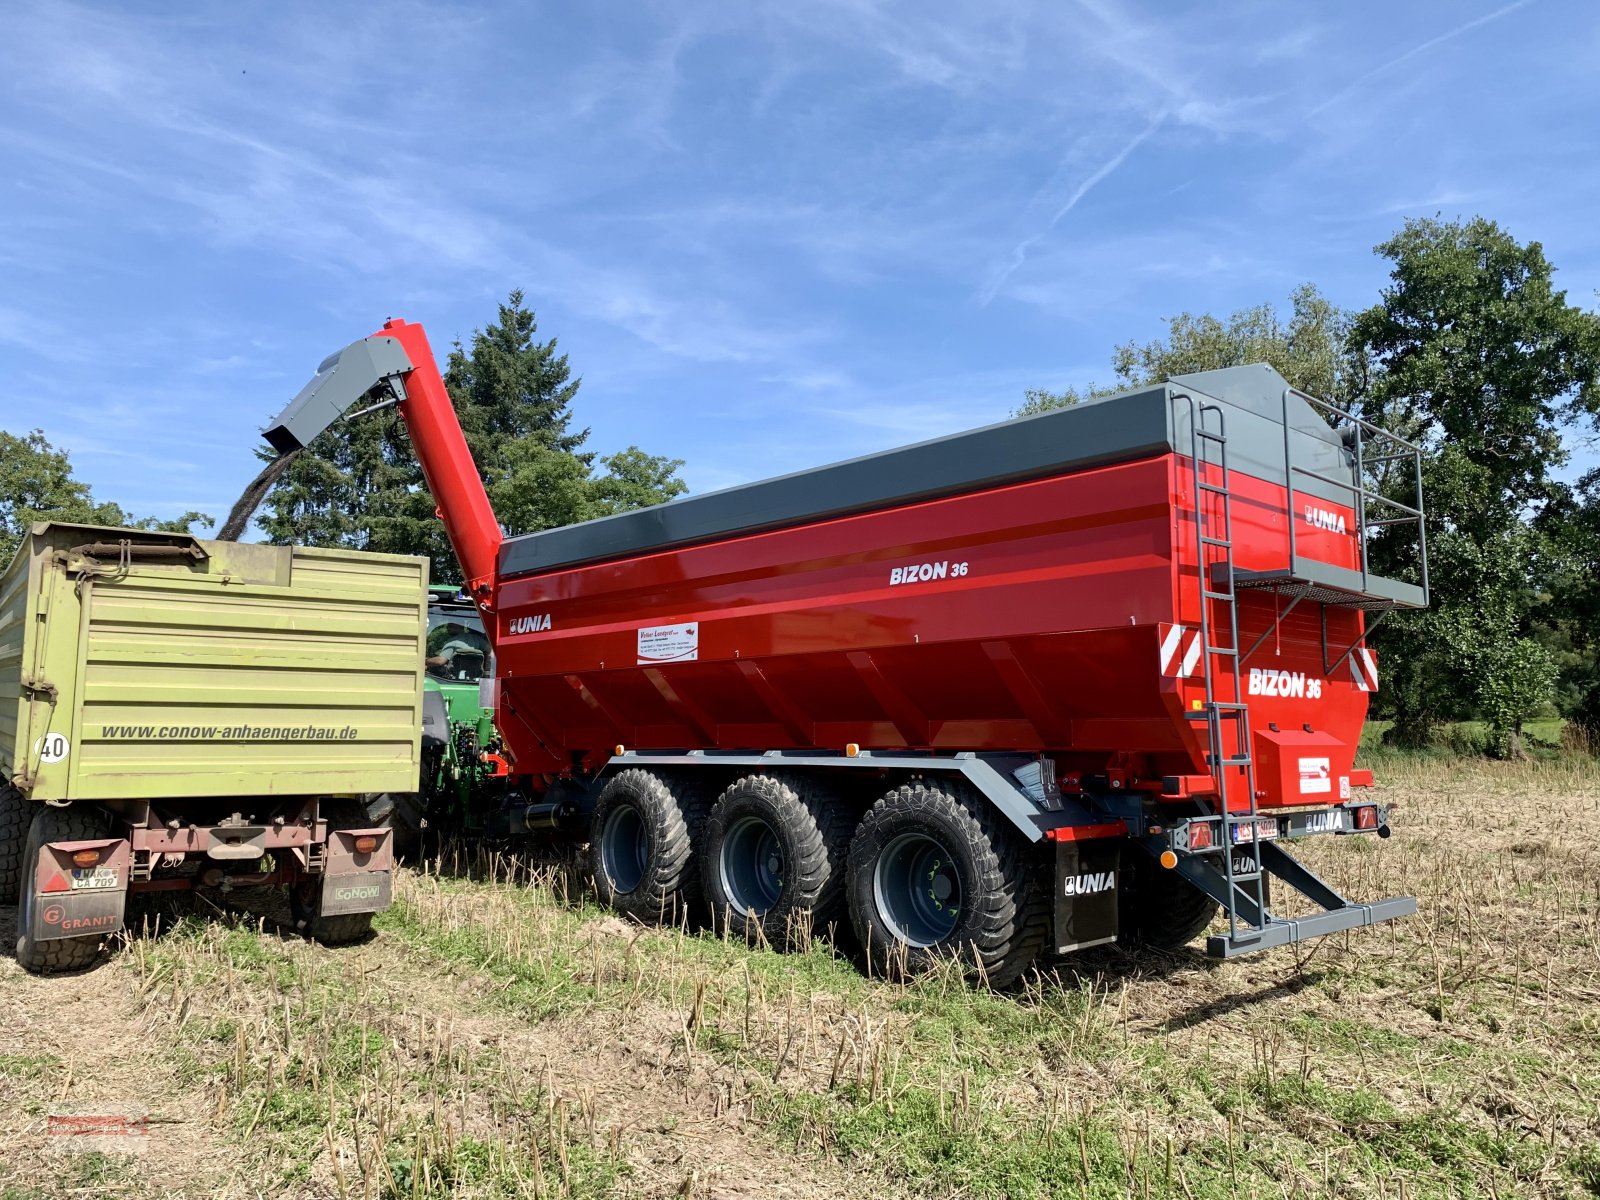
(1117, 649)
(399, 359)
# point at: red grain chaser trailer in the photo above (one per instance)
(1041, 685)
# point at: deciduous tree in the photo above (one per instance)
(37, 484)
(1475, 353)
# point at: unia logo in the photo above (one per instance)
(1091, 884)
(1324, 518)
(537, 623)
(1331, 821)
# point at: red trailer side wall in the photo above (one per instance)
(1026, 617)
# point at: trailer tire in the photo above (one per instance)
(1000, 919)
(74, 823)
(15, 814)
(1159, 908)
(643, 837)
(305, 897)
(780, 842)
(406, 814)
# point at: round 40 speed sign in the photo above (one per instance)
(52, 748)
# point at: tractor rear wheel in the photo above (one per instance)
(1158, 907)
(16, 811)
(406, 814)
(75, 823)
(774, 859)
(644, 835)
(305, 895)
(935, 873)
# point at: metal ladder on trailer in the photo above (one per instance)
(1230, 758)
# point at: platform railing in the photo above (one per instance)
(1361, 435)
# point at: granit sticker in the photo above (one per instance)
(669, 643)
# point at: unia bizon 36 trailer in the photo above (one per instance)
(1030, 688)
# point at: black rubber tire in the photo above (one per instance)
(305, 897)
(1004, 919)
(1158, 907)
(405, 814)
(76, 822)
(16, 812)
(812, 829)
(671, 814)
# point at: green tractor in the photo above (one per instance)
(463, 778)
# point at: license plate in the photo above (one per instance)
(1264, 830)
(95, 879)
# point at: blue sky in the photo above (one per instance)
(769, 235)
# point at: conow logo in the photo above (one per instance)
(1089, 885)
(1324, 518)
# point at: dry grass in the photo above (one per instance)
(502, 1037)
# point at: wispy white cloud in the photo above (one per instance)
(758, 229)
(1019, 252)
(1359, 81)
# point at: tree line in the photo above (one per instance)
(1469, 350)
(1472, 352)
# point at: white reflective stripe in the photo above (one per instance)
(1364, 670)
(1191, 657)
(1169, 646)
(1370, 662)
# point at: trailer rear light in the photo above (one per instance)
(851, 749)
(1367, 817)
(366, 844)
(1168, 859)
(86, 858)
(616, 751)
(1200, 835)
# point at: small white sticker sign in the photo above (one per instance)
(669, 643)
(52, 748)
(1316, 775)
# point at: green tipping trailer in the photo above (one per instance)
(179, 713)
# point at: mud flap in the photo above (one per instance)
(356, 882)
(1086, 893)
(71, 901)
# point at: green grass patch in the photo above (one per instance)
(28, 1066)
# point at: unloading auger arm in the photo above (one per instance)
(399, 359)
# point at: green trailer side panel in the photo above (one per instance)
(254, 671)
(13, 633)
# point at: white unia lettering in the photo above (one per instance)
(1090, 884)
(1323, 518)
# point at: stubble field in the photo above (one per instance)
(503, 1037)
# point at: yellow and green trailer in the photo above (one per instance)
(178, 713)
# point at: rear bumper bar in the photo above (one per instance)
(1253, 926)
(1284, 931)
